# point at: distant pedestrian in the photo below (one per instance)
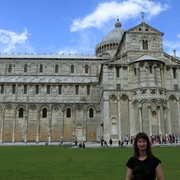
(110, 142)
(105, 143)
(102, 141)
(61, 141)
(83, 145)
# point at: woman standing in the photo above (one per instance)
(143, 165)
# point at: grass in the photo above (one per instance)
(58, 163)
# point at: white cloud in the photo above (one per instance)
(171, 46)
(67, 51)
(178, 35)
(11, 41)
(123, 10)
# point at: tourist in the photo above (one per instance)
(143, 165)
(110, 142)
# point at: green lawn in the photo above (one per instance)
(54, 162)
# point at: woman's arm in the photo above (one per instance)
(159, 172)
(129, 174)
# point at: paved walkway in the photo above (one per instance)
(70, 144)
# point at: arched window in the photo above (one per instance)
(41, 68)
(86, 68)
(25, 68)
(68, 113)
(21, 113)
(72, 68)
(117, 72)
(10, 68)
(91, 113)
(145, 44)
(44, 113)
(25, 89)
(56, 68)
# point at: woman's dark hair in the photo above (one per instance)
(136, 149)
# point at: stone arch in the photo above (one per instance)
(113, 99)
(172, 97)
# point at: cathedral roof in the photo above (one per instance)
(147, 58)
(115, 35)
(48, 79)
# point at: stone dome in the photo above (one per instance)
(115, 35)
(109, 44)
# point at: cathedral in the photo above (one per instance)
(129, 85)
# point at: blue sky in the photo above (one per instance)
(77, 26)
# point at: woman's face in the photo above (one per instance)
(142, 144)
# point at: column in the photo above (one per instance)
(38, 124)
(85, 123)
(159, 119)
(140, 118)
(2, 125)
(132, 119)
(165, 119)
(178, 114)
(26, 124)
(62, 123)
(150, 118)
(168, 119)
(73, 122)
(106, 125)
(119, 120)
(50, 124)
(147, 66)
(14, 124)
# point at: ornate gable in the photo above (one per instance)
(144, 28)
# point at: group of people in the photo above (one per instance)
(164, 139)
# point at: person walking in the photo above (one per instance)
(143, 165)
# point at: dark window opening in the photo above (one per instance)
(68, 113)
(2, 88)
(88, 90)
(56, 68)
(91, 113)
(10, 68)
(21, 113)
(174, 73)
(117, 72)
(72, 68)
(13, 89)
(37, 89)
(118, 86)
(150, 69)
(86, 68)
(44, 113)
(48, 89)
(25, 89)
(25, 68)
(145, 44)
(60, 89)
(41, 68)
(77, 89)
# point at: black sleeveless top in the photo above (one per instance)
(143, 170)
